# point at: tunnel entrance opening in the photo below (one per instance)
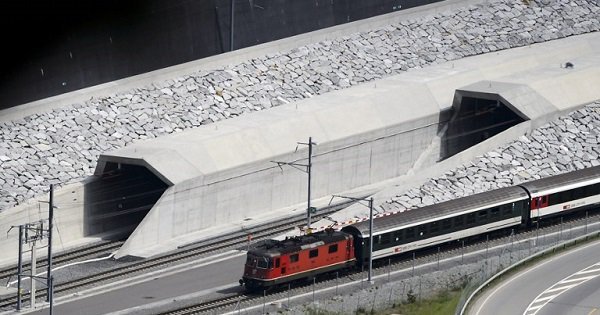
(475, 119)
(118, 200)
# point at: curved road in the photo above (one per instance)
(568, 283)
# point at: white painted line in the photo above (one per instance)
(532, 310)
(588, 271)
(567, 287)
(505, 283)
(577, 279)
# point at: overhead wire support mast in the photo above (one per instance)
(370, 205)
(308, 167)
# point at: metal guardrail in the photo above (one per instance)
(550, 250)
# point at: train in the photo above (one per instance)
(273, 263)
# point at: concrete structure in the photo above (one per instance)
(365, 135)
(224, 173)
(351, 121)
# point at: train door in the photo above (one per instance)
(349, 249)
(537, 203)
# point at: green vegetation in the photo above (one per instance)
(442, 304)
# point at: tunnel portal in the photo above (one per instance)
(119, 199)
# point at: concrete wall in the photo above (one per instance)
(247, 191)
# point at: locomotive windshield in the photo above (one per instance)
(258, 262)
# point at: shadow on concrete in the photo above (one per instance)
(118, 200)
(476, 117)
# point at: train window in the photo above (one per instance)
(507, 209)
(579, 193)
(446, 224)
(422, 230)
(554, 199)
(263, 263)
(495, 212)
(594, 189)
(459, 221)
(385, 238)
(277, 262)
(566, 196)
(470, 218)
(251, 261)
(333, 248)
(294, 258)
(482, 215)
(410, 233)
(397, 236)
(434, 226)
(313, 253)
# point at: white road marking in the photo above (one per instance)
(559, 288)
(525, 272)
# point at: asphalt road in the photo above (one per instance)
(206, 277)
(559, 285)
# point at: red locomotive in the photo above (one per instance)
(274, 262)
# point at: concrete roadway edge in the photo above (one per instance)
(570, 244)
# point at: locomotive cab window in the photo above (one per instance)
(333, 248)
(262, 263)
(313, 253)
(294, 258)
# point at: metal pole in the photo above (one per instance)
(20, 267)
(51, 293)
(370, 238)
(586, 222)
(413, 265)
(264, 300)
(231, 22)
(309, 177)
(337, 280)
(314, 283)
(438, 259)
(33, 269)
(50, 220)
(462, 254)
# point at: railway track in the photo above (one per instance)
(236, 240)
(231, 303)
(94, 250)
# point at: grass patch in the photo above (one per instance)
(443, 303)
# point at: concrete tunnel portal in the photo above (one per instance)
(118, 199)
(123, 194)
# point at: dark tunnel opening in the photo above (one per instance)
(475, 120)
(119, 199)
